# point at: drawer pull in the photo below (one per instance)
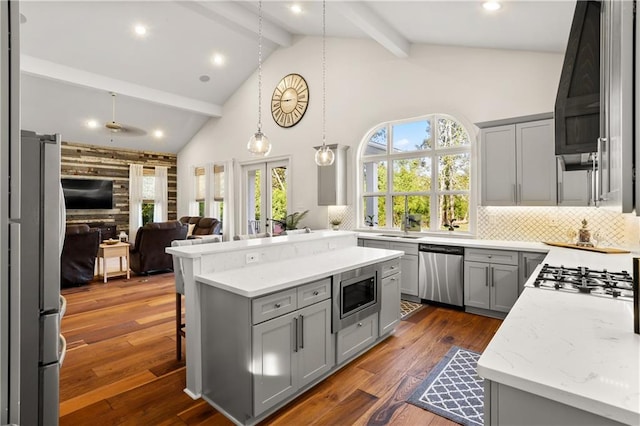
(277, 305)
(359, 324)
(489, 256)
(315, 293)
(393, 278)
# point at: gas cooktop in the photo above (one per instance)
(588, 281)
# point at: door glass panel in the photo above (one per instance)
(413, 136)
(254, 201)
(278, 198)
(412, 175)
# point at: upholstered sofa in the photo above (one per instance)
(78, 259)
(148, 254)
(202, 225)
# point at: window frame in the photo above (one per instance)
(434, 194)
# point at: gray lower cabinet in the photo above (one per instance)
(491, 281)
(409, 262)
(528, 263)
(355, 338)
(290, 352)
(390, 303)
(506, 405)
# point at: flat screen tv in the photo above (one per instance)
(87, 193)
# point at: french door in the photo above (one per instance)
(266, 196)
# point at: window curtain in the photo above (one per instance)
(161, 202)
(135, 200)
(193, 204)
(208, 190)
(230, 202)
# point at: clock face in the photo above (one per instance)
(289, 101)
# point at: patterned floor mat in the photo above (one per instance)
(407, 308)
(453, 389)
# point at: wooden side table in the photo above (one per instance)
(106, 251)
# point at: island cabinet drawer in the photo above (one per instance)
(314, 292)
(390, 267)
(356, 337)
(273, 305)
(503, 257)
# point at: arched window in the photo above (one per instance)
(416, 174)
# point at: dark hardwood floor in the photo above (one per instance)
(121, 367)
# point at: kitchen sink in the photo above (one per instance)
(411, 237)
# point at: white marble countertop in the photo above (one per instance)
(264, 278)
(461, 241)
(200, 249)
(576, 349)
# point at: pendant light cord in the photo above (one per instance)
(259, 66)
(324, 72)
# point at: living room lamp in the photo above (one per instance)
(324, 154)
(259, 144)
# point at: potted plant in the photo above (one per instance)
(368, 220)
(335, 224)
(291, 220)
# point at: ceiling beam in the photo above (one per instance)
(54, 71)
(240, 17)
(375, 27)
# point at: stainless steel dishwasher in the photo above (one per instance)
(440, 274)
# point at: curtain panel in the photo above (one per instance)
(161, 206)
(135, 200)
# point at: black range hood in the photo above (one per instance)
(577, 108)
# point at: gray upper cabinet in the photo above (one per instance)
(574, 186)
(332, 180)
(518, 162)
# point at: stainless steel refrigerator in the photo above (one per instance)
(31, 223)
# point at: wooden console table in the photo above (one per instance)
(106, 251)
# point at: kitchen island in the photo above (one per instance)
(565, 358)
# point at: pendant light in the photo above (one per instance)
(259, 144)
(324, 154)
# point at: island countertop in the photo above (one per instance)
(265, 278)
(576, 349)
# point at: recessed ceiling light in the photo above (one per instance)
(204, 78)
(158, 134)
(491, 5)
(217, 59)
(140, 29)
(296, 8)
(92, 124)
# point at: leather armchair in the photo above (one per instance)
(148, 254)
(79, 252)
(203, 225)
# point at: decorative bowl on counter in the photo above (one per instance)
(111, 241)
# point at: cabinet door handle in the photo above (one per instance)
(520, 192)
(491, 275)
(301, 331)
(295, 333)
(277, 305)
(515, 193)
(486, 284)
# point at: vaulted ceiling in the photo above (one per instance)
(74, 54)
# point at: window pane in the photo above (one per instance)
(148, 187)
(377, 143)
(412, 175)
(418, 210)
(201, 209)
(375, 176)
(412, 136)
(456, 208)
(451, 133)
(453, 172)
(374, 211)
(147, 213)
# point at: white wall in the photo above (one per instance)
(367, 85)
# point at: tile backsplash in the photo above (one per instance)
(555, 224)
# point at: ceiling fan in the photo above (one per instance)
(115, 127)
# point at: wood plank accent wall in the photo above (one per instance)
(90, 161)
